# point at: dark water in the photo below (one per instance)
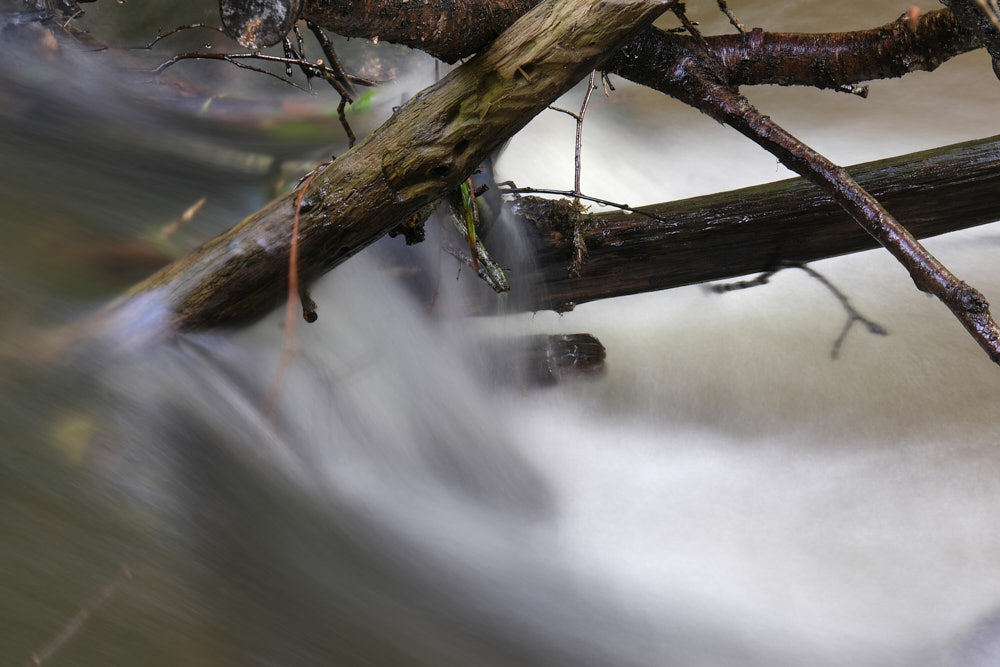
(725, 495)
(158, 508)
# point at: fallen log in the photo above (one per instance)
(730, 234)
(426, 148)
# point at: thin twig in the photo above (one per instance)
(308, 72)
(298, 40)
(606, 82)
(737, 285)
(171, 228)
(488, 271)
(332, 60)
(180, 28)
(565, 111)
(966, 303)
(579, 130)
(329, 76)
(308, 305)
(80, 618)
(234, 58)
(853, 315)
(288, 350)
(293, 260)
(691, 26)
(511, 189)
(732, 17)
(342, 116)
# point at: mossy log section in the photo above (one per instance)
(428, 146)
(755, 229)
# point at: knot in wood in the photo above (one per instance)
(968, 298)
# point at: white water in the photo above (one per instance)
(725, 495)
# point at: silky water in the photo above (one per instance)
(724, 494)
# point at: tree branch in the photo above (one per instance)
(429, 146)
(833, 60)
(450, 30)
(439, 137)
(445, 29)
(751, 230)
(979, 21)
(698, 83)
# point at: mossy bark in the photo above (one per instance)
(428, 146)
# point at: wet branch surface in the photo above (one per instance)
(701, 83)
(836, 59)
(434, 141)
(428, 147)
(751, 230)
(452, 30)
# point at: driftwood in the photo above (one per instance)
(755, 229)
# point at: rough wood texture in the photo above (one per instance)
(754, 229)
(429, 146)
(836, 59)
(451, 30)
(446, 29)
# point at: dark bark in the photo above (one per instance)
(730, 234)
(446, 29)
(451, 30)
(700, 82)
(972, 17)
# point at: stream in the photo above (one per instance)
(724, 494)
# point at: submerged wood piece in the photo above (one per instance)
(429, 146)
(735, 233)
(544, 360)
(445, 29)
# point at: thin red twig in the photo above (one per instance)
(80, 618)
(288, 350)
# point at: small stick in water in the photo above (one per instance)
(81, 617)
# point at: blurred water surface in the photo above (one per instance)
(724, 495)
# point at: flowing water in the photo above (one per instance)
(725, 494)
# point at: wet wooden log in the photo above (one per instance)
(428, 147)
(755, 229)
